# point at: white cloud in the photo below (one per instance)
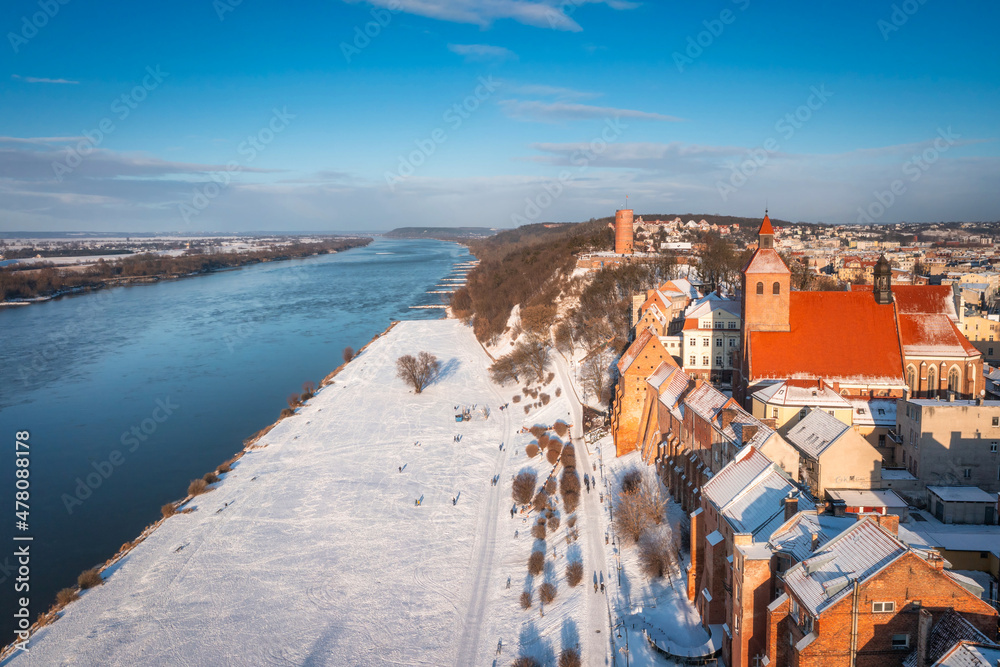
(554, 112)
(552, 14)
(34, 79)
(542, 90)
(482, 52)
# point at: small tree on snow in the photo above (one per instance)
(419, 371)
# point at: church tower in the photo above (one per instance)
(766, 282)
(883, 281)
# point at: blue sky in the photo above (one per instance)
(202, 115)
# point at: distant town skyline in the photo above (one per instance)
(225, 115)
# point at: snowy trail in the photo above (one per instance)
(595, 644)
(485, 555)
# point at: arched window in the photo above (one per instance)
(953, 381)
(911, 380)
(776, 288)
(932, 387)
(760, 288)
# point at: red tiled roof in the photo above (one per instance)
(912, 299)
(838, 336)
(765, 227)
(933, 335)
(766, 260)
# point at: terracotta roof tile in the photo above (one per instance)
(838, 336)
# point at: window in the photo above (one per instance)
(967, 473)
(718, 362)
(776, 288)
(881, 441)
(691, 360)
(993, 447)
(883, 607)
(911, 379)
(953, 380)
(996, 421)
(704, 342)
(901, 641)
(732, 325)
(932, 382)
(760, 288)
(704, 361)
(774, 413)
(718, 342)
(732, 342)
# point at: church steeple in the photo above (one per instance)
(765, 237)
(883, 281)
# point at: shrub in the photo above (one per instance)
(574, 573)
(541, 501)
(558, 392)
(552, 525)
(210, 478)
(571, 501)
(543, 441)
(527, 409)
(419, 371)
(538, 530)
(569, 462)
(228, 465)
(526, 600)
(197, 487)
(550, 485)
(526, 661)
(544, 398)
(536, 563)
(287, 412)
(168, 510)
(537, 431)
(571, 521)
(523, 487)
(569, 657)
(516, 399)
(550, 378)
(631, 481)
(308, 390)
(531, 450)
(656, 551)
(89, 579)
(293, 401)
(547, 592)
(569, 482)
(65, 596)
(560, 427)
(552, 455)
(348, 353)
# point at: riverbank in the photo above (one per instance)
(45, 284)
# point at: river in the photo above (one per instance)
(131, 393)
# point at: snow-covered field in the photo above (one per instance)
(312, 550)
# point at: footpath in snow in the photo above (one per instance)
(314, 549)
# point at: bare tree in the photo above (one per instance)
(595, 373)
(419, 371)
(504, 370)
(639, 508)
(657, 547)
(533, 355)
(564, 337)
(348, 353)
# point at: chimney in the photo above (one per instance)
(924, 622)
(727, 416)
(749, 431)
(888, 522)
(791, 506)
(815, 541)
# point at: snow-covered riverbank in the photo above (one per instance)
(313, 551)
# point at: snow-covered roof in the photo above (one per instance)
(962, 494)
(712, 303)
(858, 553)
(802, 393)
(971, 654)
(949, 630)
(867, 498)
(735, 476)
(874, 412)
(794, 537)
(816, 432)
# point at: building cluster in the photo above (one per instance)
(843, 495)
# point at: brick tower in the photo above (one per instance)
(623, 231)
(766, 281)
